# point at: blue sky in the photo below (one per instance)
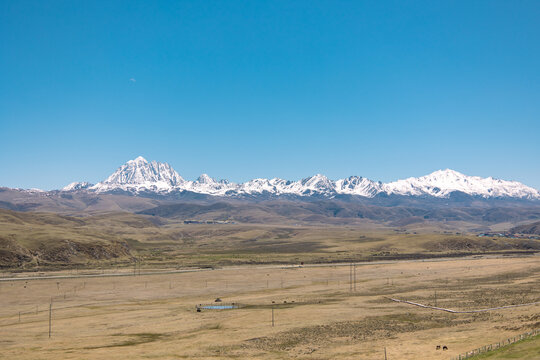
(245, 89)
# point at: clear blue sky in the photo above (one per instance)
(245, 89)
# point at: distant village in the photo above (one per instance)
(509, 235)
(209, 222)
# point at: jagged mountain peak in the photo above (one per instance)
(317, 180)
(358, 185)
(139, 174)
(205, 179)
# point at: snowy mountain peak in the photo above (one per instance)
(447, 173)
(139, 174)
(138, 160)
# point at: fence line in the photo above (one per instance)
(498, 345)
(463, 312)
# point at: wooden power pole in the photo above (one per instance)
(50, 319)
(354, 277)
(350, 277)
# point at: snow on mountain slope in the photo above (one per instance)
(357, 185)
(207, 185)
(260, 186)
(314, 184)
(319, 184)
(442, 182)
(139, 175)
(74, 186)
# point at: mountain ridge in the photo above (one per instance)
(140, 176)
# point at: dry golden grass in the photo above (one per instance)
(154, 316)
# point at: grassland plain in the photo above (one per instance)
(316, 314)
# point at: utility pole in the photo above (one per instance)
(354, 277)
(350, 277)
(272, 316)
(50, 318)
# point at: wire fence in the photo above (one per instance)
(498, 345)
(464, 311)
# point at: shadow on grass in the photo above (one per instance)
(137, 339)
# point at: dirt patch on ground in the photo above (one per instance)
(133, 339)
(350, 331)
(66, 250)
(480, 245)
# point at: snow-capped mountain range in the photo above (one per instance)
(142, 176)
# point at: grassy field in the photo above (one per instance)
(316, 314)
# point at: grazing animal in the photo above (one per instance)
(438, 347)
